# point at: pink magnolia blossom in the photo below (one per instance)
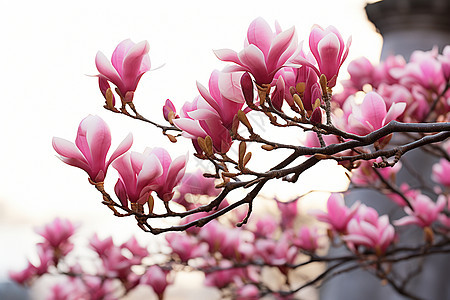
(171, 176)
(223, 278)
(195, 184)
(157, 278)
(91, 147)
(57, 234)
(441, 172)
(369, 230)
(129, 62)
(276, 252)
(328, 49)
(338, 214)
(212, 113)
(423, 69)
(137, 171)
(186, 246)
(102, 247)
(224, 94)
(289, 212)
(307, 239)
(371, 114)
(264, 53)
(138, 252)
(361, 72)
(169, 108)
(22, 277)
(424, 213)
(265, 227)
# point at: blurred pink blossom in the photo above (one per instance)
(157, 278)
(424, 213)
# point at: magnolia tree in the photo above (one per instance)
(405, 107)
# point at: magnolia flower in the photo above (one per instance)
(371, 114)
(369, 230)
(186, 246)
(57, 234)
(91, 146)
(264, 53)
(129, 62)
(169, 111)
(424, 213)
(307, 239)
(338, 214)
(171, 176)
(137, 171)
(157, 279)
(212, 113)
(327, 46)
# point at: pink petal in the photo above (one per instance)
(253, 58)
(67, 149)
(203, 114)
(124, 146)
(213, 86)
(227, 55)
(373, 109)
(230, 86)
(207, 96)
(408, 220)
(317, 33)
(106, 69)
(190, 126)
(395, 110)
(132, 65)
(119, 54)
(279, 45)
(151, 169)
(260, 34)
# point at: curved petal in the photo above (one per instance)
(394, 111)
(207, 96)
(227, 55)
(253, 58)
(106, 69)
(190, 126)
(230, 86)
(279, 45)
(124, 146)
(373, 110)
(260, 34)
(119, 54)
(132, 65)
(67, 149)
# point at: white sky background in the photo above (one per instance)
(47, 49)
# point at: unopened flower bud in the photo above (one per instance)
(247, 88)
(316, 116)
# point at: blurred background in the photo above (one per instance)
(47, 55)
